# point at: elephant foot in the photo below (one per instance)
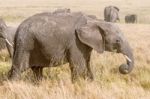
(37, 71)
(14, 75)
(90, 77)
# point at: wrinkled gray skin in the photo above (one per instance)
(131, 18)
(50, 40)
(7, 34)
(111, 14)
(65, 10)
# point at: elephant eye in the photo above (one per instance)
(117, 41)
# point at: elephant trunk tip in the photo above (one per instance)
(124, 69)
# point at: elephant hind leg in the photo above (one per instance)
(20, 63)
(38, 72)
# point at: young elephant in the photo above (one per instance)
(45, 40)
(7, 33)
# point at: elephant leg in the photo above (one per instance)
(74, 74)
(20, 63)
(77, 66)
(79, 63)
(38, 72)
(77, 72)
(89, 72)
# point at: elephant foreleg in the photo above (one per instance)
(79, 61)
(38, 72)
(77, 72)
(89, 72)
(74, 73)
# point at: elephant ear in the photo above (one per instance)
(91, 36)
(116, 8)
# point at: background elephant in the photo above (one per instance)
(131, 18)
(7, 34)
(111, 14)
(65, 10)
(50, 40)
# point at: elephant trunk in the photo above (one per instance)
(127, 52)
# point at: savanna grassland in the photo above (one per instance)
(108, 83)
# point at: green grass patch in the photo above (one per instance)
(12, 18)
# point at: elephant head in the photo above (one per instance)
(114, 14)
(3, 30)
(105, 36)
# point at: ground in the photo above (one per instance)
(108, 83)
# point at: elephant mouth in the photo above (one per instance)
(116, 48)
(112, 49)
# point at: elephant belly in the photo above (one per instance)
(38, 59)
(45, 57)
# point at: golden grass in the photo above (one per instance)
(108, 83)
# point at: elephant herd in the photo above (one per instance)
(111, 14)
(50, 39)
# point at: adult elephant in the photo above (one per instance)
(131, 18)
(111, 14)
(7, 33)
(49, 40)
